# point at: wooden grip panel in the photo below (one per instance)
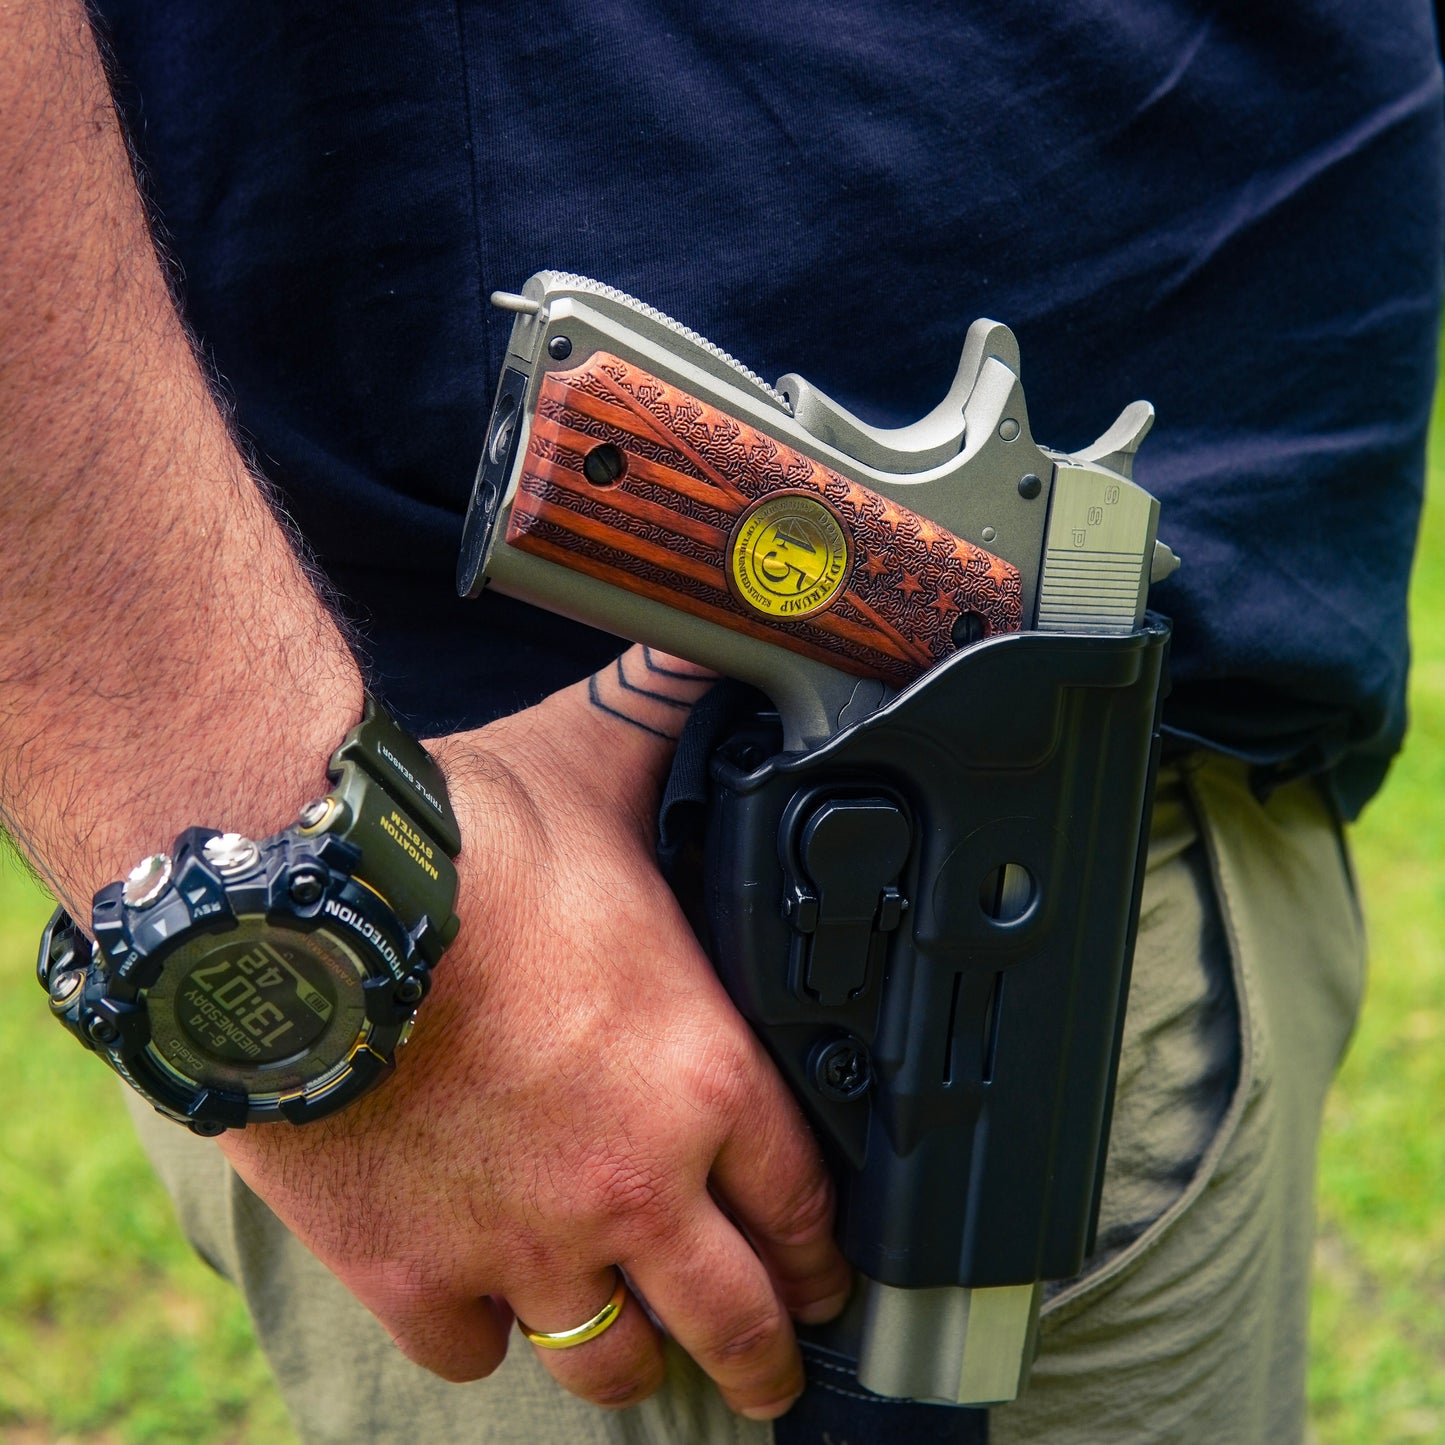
(629, 479)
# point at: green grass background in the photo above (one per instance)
(111, 1332)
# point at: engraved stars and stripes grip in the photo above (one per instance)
(629, 479)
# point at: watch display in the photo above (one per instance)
(257, 1007)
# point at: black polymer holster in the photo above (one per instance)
(929, 920)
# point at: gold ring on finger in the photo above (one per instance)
(603, 1320)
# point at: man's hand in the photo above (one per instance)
(580, 1094)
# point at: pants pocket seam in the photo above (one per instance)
(1092, 1285)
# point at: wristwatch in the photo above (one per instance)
(233, 981)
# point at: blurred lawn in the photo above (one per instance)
(110, 1331)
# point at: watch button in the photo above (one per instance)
(147, 880)
(65, 988)
(325, 815)
(230, 853)
(314, 814)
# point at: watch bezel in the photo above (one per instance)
(135, 946)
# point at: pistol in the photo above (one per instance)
(923, 871)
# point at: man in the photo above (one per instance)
(1239, 218)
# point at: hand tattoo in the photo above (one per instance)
(649, 690)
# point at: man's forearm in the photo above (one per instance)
(163, 658)
(164, 661)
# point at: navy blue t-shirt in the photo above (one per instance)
(1232, 210)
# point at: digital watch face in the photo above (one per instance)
(257, 1009)
(256, 1001)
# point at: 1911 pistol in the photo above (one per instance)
(923, 882)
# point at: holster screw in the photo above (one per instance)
(842, 1070)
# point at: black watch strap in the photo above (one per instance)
(390, 799)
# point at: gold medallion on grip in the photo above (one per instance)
(789, 556)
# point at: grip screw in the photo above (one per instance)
(559, 348)
(604, 465)
(968, 628)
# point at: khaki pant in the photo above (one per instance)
(1189, 1324)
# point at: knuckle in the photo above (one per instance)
(429, 1319)
(723, 1082)
(804, 1212)
(454, 1370)
(529, 1256)
(752, 1339)
(627, 1389)
(456, 1359)
(405, 1287)
(623, 1188)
